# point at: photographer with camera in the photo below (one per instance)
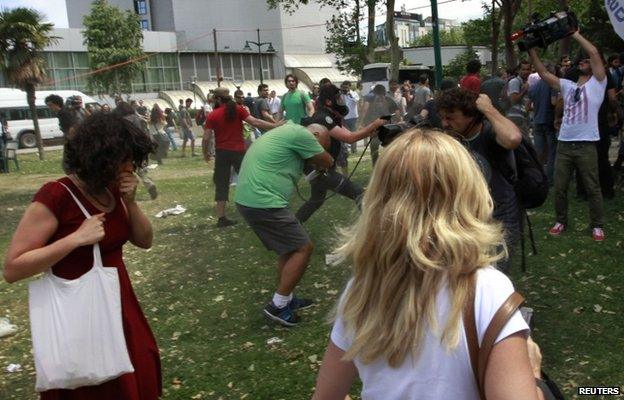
(578, 134)
(491, 137)
(330, 113)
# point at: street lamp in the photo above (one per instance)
(259, 44)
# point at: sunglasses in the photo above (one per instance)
(577, 95)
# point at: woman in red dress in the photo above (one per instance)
(100, 158)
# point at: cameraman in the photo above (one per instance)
(330, 113)
(578, 134)
(491, 137)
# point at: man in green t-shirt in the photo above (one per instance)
(268, 175)
(295, 103)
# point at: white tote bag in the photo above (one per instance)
(76, 326)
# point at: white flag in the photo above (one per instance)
(615, 9)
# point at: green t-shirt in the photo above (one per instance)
(272, 165)
(294, 105)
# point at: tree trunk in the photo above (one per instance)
(395, 51)
(30, 98)
(564, 44)
(496, 25)
(357, 21)
(370, 38)
(510, 9)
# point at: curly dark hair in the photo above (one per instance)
(100, 144)
(457, 99)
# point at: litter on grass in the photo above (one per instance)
(274, 340)
(177, 210)
(6, 327)
(13, 368)
(152, 166)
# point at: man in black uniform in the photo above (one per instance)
(330, 111)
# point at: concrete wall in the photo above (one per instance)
(308, 40)
(162, 15)
(72, 40)
(77, 9)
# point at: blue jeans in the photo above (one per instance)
(170, 131)
(545, 140)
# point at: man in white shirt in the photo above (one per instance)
(350, 99)
(274, 105)
(578, 134)
(395, 93)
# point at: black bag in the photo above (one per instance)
(530, 181)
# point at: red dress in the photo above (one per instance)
(145, 382)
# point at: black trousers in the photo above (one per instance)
(333, 181)
(225, 160)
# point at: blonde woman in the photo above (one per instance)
(426, 229)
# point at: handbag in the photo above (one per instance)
(479, 355)
(76, 326)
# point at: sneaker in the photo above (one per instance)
(300, 304)
(285, 316)
(598, 234)
(152, 192)
(224, 221)
(557, 229)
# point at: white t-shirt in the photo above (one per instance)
(351, 100)
(436, 374)
(274, 104)
(580, 118)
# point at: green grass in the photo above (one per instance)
(203, 289)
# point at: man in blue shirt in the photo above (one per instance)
(543, 98)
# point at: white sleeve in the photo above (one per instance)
(493, 288)
(338, 334)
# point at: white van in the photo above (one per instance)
(14, 107)
(379, 73)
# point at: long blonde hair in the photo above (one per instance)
(426, 221)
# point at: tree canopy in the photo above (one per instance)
(113, 38)
(23, 37)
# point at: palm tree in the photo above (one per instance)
(23, 36)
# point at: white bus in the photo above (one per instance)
(14, 107)
(379, 73)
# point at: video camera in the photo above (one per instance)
(542, 33)
(387, 133)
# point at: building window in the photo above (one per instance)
(144, 24)
(141, 7)
(66, 70)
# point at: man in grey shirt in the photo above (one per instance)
(517, 89)
(422, 94)
(262, 109)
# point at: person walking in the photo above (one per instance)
(53, 235)
(186, 122)
(171, 127)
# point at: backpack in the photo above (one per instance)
(529, 179)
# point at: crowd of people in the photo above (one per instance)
(440, 218)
